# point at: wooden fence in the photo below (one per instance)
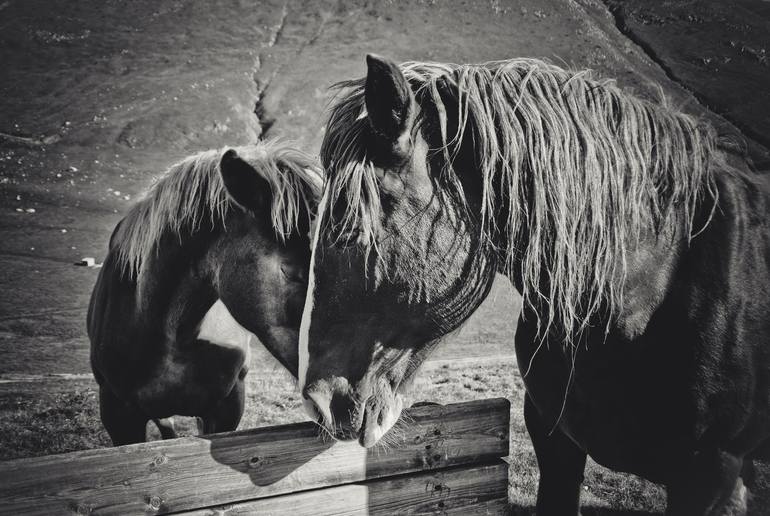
(443, 459)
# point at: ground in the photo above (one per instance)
(98, 97)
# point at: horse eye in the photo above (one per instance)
(342, 236)
(349, 238)
(294, 274)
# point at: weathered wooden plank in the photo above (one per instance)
(465, 490)
(192, 472)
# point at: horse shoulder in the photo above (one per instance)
(111, 326)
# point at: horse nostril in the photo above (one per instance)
(305, 393)
(317, 406)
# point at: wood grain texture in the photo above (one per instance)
(193, 472)
(465, 490)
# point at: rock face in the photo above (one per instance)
(720, 51)
(95, 99)
(98, 97)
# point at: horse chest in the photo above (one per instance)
(619, 404)
(193, 377)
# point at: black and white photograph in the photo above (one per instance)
(385, 257)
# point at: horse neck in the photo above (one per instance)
(175, 287)
(476, 273)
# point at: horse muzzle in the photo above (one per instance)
(344, 418)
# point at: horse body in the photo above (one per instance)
(178, 302)
(686, 365)
(147, 344)
(639, 241)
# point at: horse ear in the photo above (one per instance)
(245, 186)
(388, 97)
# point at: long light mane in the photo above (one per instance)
(191, 193)
(576, 169)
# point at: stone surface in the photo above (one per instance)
(720, 51)
(97, 98)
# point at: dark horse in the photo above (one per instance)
(637, 238)
(216, 253)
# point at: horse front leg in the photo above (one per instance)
(561, 465)
(166, 427)
(709, 486)
(124, 422)
(227, 414)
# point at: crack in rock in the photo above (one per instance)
(317, 34)
(278, 32)
(264, 118)
(623, 28)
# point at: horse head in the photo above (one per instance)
(391, 260)
(260, 261)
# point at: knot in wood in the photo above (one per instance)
(436, 487)
(155, 502)
(432, 456)
(158, 461)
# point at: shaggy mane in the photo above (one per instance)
(192, 192)
(575, 168)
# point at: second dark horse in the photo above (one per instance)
(216, 253)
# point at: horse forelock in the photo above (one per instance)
(579, 170)
(191, 193)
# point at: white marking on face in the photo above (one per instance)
(307, 312)
(220, 327)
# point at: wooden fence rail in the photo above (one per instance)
(443, 458)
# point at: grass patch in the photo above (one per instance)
(41, 423)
